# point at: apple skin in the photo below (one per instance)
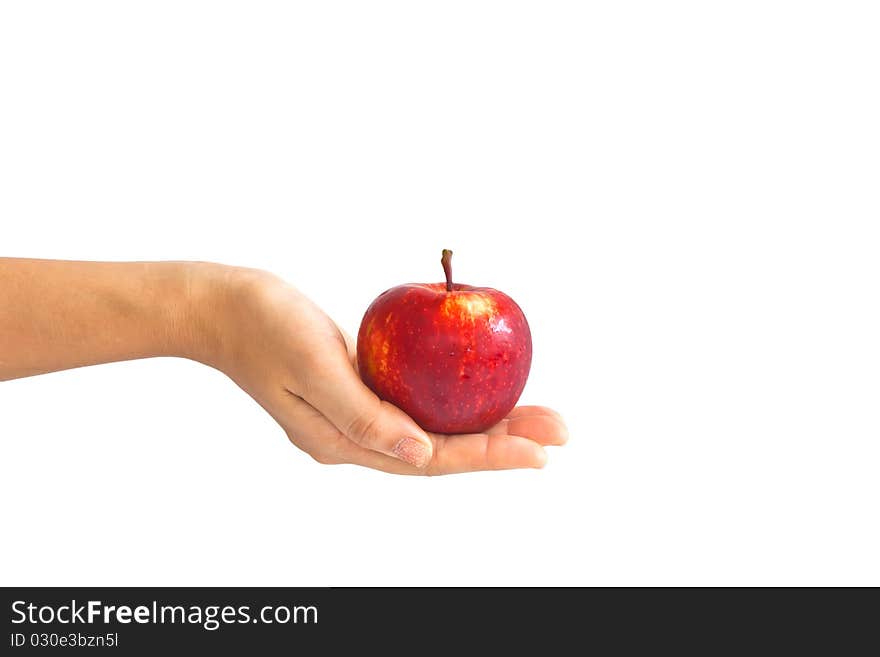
(455, 361)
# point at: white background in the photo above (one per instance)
(682, 196)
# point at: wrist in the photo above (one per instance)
(195, 330)
(211, 325)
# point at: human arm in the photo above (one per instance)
(264, 334)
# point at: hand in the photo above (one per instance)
(297, 364)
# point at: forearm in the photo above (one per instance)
(57, 315)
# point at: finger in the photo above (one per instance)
(522, 411)
(543, 429)
(475, 452)
(313, 433)
(317, 436)
(334, 389)
(350, 346)
(455, 455)
(307, 428)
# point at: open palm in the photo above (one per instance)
(301, 368)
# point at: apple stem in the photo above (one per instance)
(446, 261)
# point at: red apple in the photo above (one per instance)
(452, 356)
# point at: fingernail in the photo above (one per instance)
(413, 451)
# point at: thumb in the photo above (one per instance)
(336, 391)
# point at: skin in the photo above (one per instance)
(264, 334)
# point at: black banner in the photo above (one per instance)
(150, 620)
